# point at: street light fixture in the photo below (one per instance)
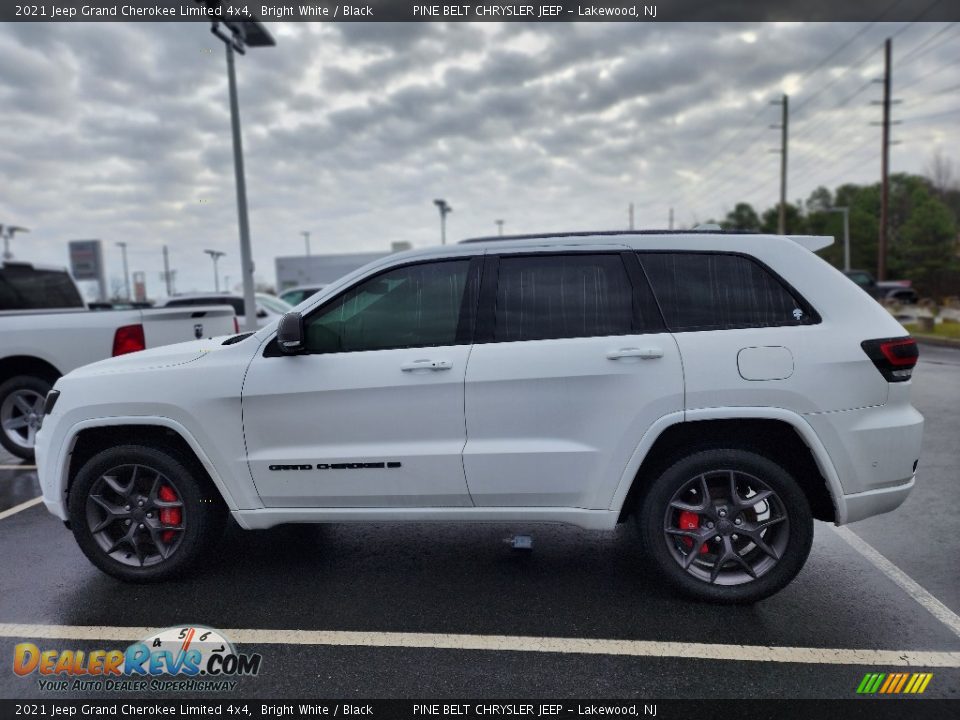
(215, 255)
(238, 36)
(7, 232)
(126, 272)
(445, 210)
(846, 235)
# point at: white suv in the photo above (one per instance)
(719, 390)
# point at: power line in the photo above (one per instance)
(955, 112)
(912, 55)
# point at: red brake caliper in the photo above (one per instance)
(690, 521)
(168, 516)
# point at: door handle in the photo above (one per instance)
(426, 365)
(651, 353)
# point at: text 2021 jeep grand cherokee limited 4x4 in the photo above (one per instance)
(719, 390)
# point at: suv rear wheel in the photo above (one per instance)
(726, 525)
(142, 514)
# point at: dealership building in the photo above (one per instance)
(324, 269)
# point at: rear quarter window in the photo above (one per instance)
(720, 291)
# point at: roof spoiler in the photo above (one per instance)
(812, 242)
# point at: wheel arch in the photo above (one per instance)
(14, 365)
(89, 438)
(780, 435)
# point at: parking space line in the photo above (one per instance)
(517, 643)
(936, 608)
(22, 506)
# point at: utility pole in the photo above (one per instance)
(126, 271)
(215, 255)
(784, 121)
(444, 207)
(884, 166)
(630, 215)
(167, 278)
(499, 227)
(846, 235)
(306, 237)
(238, 38)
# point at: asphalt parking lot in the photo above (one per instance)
(421, 611)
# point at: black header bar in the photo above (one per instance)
(530, 11)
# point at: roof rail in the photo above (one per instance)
(699, 230)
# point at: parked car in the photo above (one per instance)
(720, 391)
(269, 307)
(898, 290)
(296, 295)
(46, 330)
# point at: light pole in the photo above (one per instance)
(242, 34)
(306, 237)
(445, 210)
(499, 227)
(215, 255)
(846, 235)
(7, 232)
(126, 271)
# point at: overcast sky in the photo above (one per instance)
(121, 131)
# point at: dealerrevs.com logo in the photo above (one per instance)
(188, 658)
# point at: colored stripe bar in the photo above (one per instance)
(926, 682)
(903, 681)
(891, 679)
(875, 685)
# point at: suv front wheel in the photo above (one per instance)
(143, 514)
(726, 525)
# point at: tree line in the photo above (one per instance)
(924, 237)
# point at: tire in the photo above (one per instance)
(151, 542)
(18, 425)
(769, 506)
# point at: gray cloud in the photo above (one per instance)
(121, 131)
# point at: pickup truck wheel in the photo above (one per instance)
(21, 410)
(140, 514)
(727, 526)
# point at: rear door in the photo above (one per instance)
(571, 366)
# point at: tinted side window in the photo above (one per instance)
(24, 288)
(542, 297)
(714, 291)
(412, 306)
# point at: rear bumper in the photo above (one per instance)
(874, 451)
(874, 502)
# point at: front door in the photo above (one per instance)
(371, 415)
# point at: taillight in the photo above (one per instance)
(895, 358)
(128, 339)
(236, 325)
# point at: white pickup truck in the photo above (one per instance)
(46, 330)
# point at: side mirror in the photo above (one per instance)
(261, 313)
(290, 333)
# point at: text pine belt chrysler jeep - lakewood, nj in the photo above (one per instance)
(718, 390)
